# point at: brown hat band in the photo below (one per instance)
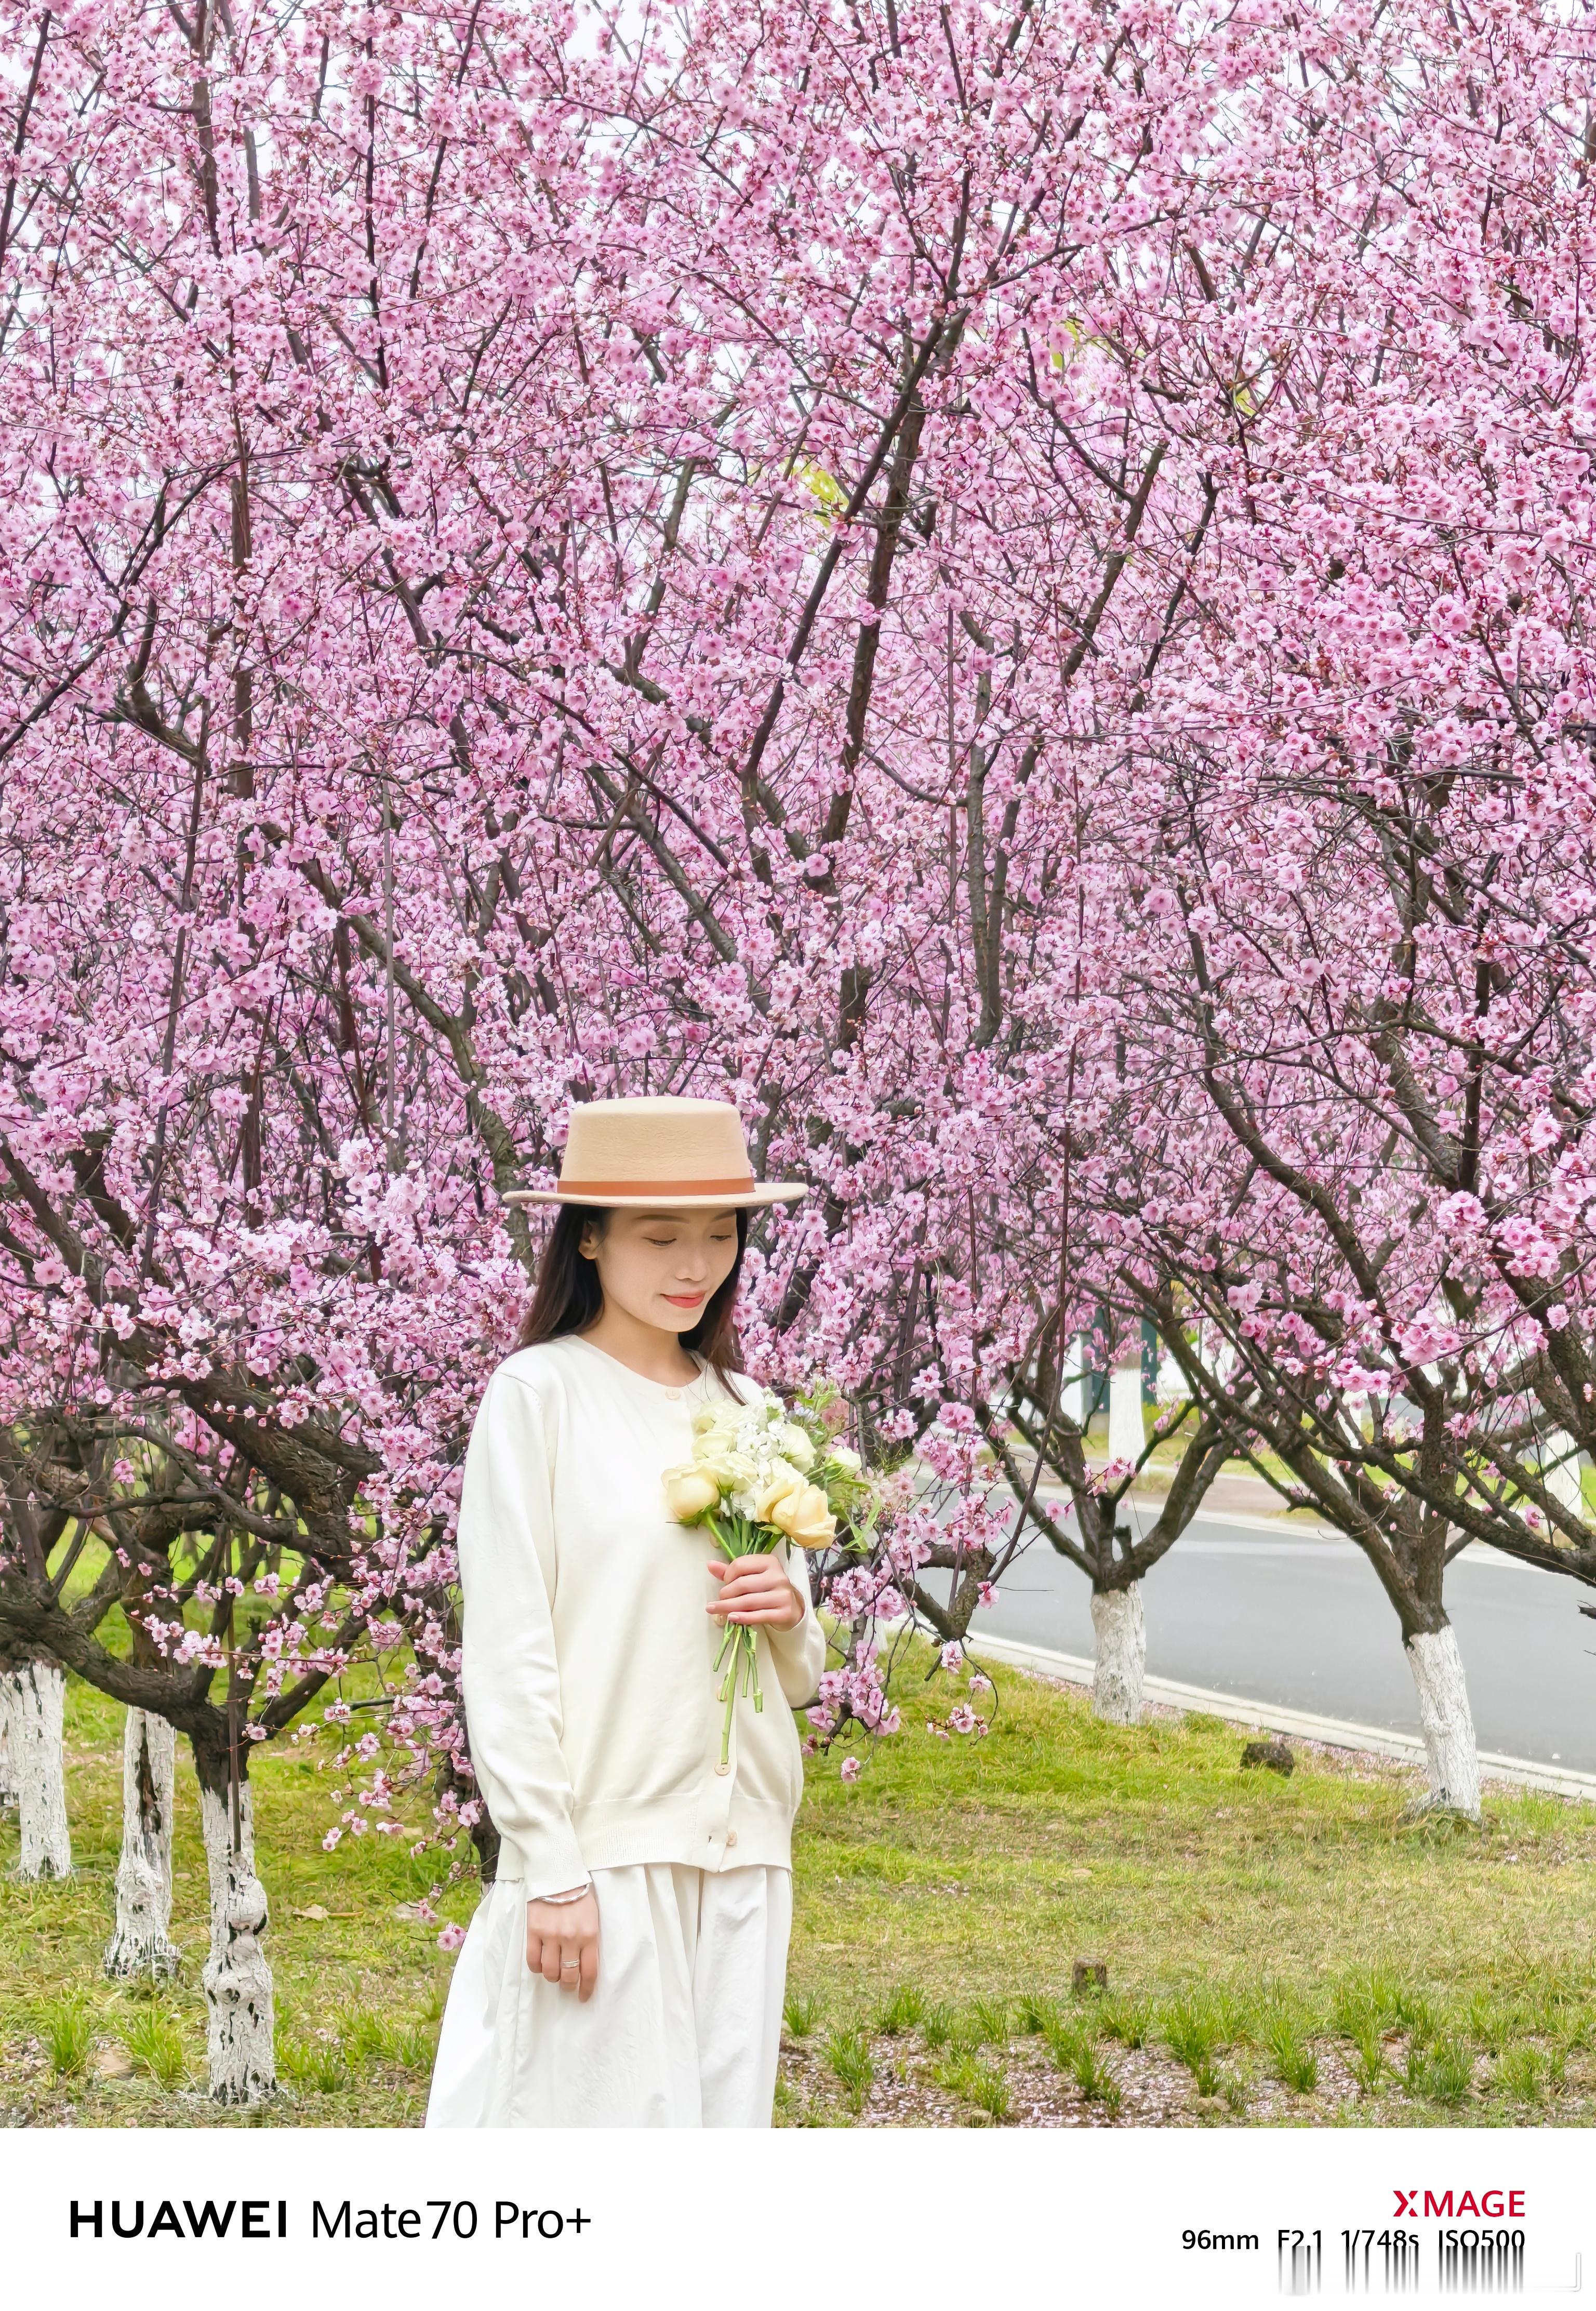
(601, 1188)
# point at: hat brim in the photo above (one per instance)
(786, 1191)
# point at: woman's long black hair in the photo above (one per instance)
(568, 1295)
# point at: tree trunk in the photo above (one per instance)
(36, 1695)
(8, 1780)
(1076, 1392)
(140, 1944)
(1121, 1654)
(1559, 1472)
(1127, 1435)
(1172, 1382)
(1446, 1721)
(237, 1981)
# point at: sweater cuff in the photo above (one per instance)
(547, 1862)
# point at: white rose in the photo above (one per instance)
(794, 1444)
(715, 1420)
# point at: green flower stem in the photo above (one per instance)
(730, 1691)
(740, 1640)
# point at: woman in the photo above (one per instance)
(626, 1968)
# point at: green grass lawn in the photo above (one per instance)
(1277, 1951)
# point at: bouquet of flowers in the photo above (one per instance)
(756, 1479)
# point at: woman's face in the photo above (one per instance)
(663, 1268)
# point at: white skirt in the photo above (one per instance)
(683, 2027)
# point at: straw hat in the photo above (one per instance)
(638, 1153)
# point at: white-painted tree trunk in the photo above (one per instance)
(36, 1692)
(1559, 1472)
(1121, 1654)
(1446, 1722)
(8, 1780)
(238, 1980)
(1127, 1437)
(140, 1944)
(1076, 1391)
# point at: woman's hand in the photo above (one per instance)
(562, 1942)
(756, 1590)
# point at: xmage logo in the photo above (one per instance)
(1452, 2204)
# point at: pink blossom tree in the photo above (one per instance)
(1354, 831)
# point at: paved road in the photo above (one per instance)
(1303, 1622)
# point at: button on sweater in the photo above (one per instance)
(588, 1657)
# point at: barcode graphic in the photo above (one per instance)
(1300, 2263)
(1481, 2262)
(1381, 2262)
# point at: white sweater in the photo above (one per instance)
(588, 1659)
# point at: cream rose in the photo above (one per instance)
(727, 1469)
(766, 1496)
(689, 1491)
(806, 1518)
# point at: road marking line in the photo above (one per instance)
(1476, 1552)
